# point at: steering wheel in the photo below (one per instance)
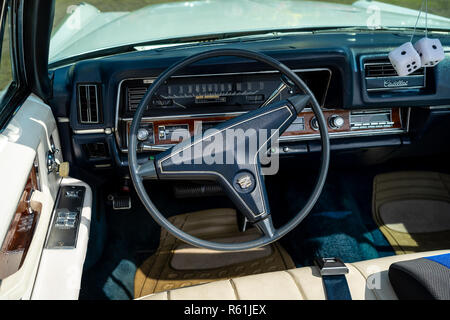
(242, 181)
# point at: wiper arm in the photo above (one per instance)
(381, 28)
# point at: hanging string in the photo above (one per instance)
(418, 17)
(426, 19)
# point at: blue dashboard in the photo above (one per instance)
(349, 73)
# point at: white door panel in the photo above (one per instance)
(26, 138)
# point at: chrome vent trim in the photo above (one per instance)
(385, 69)
(88, 103)
(380, 75)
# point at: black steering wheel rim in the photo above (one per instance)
(134, 166)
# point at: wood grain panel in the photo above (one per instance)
(308, 116)
(21, 230)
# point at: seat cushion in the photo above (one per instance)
(422, 279)
(367, 280)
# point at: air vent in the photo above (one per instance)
(380, 75)
(134, 96)
(385, 69)
(88, 103)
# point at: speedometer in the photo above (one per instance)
(219, 92)
(215, 92)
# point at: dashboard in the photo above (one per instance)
(189, 105)
(360, 94)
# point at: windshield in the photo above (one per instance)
(81, 28)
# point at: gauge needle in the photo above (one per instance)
(179, 104)
(274, 94)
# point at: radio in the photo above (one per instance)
(371, 119)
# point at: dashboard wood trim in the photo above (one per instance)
(308, 132)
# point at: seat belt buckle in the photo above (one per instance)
(331, 266)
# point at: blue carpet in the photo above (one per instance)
(332, 234)
(118, 243)
(340, 224)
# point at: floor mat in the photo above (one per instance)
(332, 234)
(176, 264)
(340, 224)
(412, 209)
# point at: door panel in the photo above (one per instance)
(25, 143)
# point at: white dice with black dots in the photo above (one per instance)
(405, 59)
(430, 51)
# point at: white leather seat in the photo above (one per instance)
(367, 280)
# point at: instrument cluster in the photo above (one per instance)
(189, 105)
(218, 93)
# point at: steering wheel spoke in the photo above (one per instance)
(266, 227)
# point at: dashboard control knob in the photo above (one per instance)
(314, 124)
(336, 122)
(142, 134)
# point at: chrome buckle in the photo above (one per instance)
(331, 266)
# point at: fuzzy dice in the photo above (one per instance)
(405, 59)
(430, 51)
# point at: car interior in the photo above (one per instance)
(114, 162)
